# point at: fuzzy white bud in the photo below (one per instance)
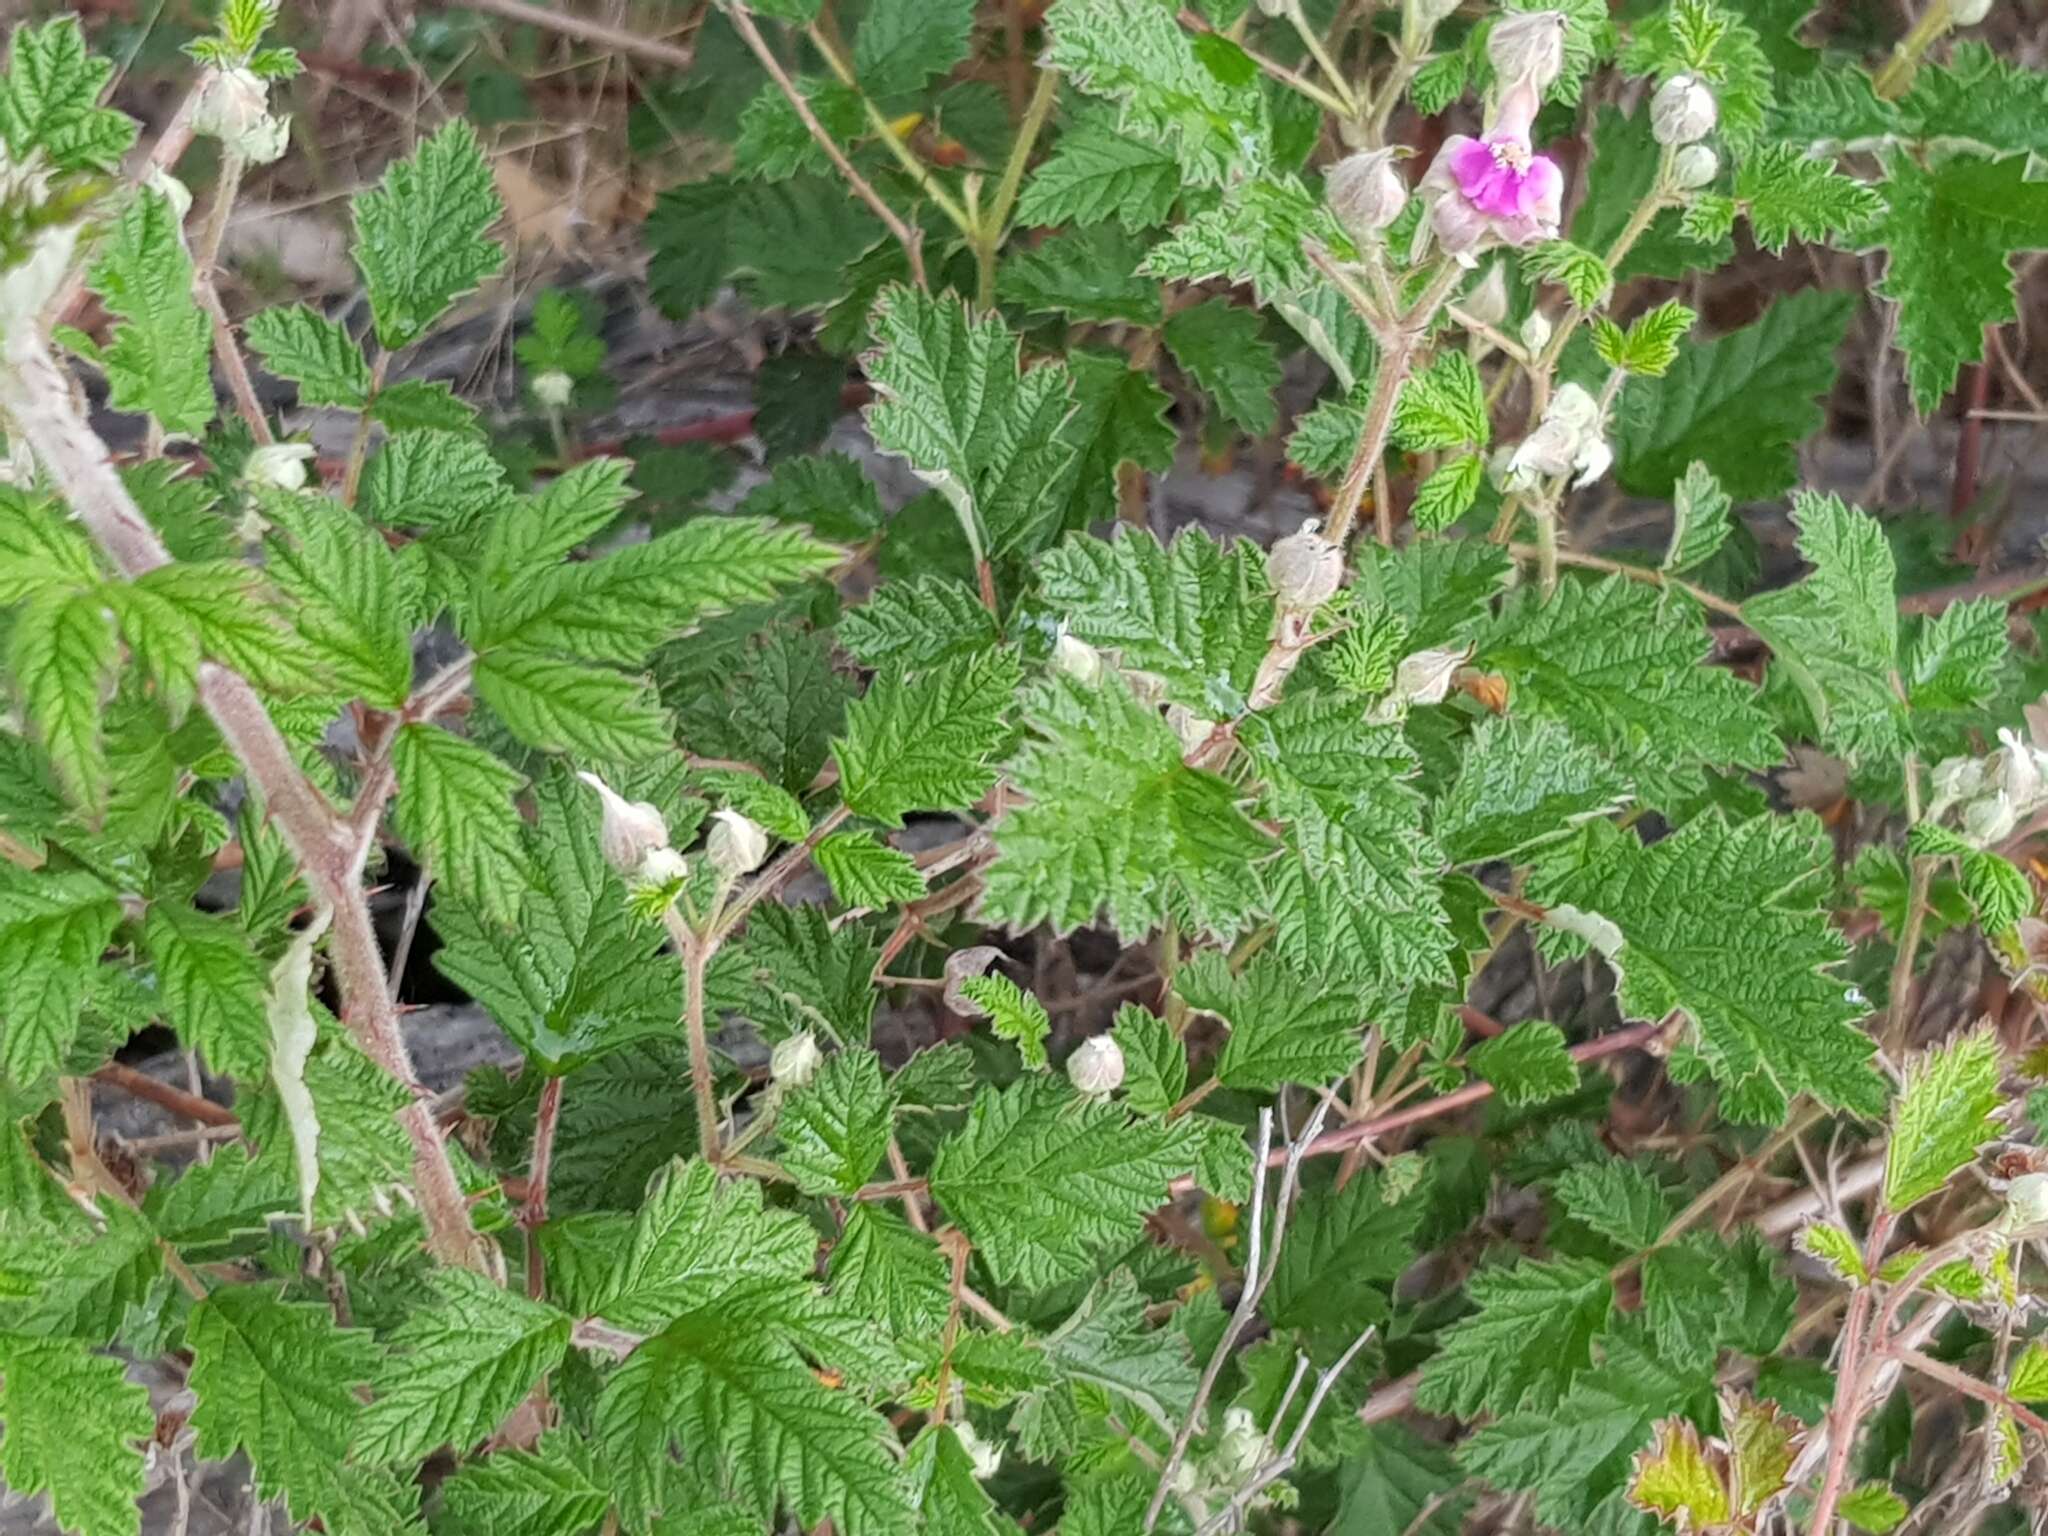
(1238, 1449)
(281, 466)
(795, 1061)
(172, 190)
(1955, 778)
(236, 110)
(1097, 1066)
(1488, 299)
(1420, 18)
(1990, 819)
(986, 1456)
(1683, 111)
(553, 388)
(2016, 768)
(1078, 659)
(631, 829)
(1566, 441)
(1967, 13)
(1366, 193)
(1535, 332)
(737, 844)
(2026, 1200)
(1528, 45)
(1693, 167)
(1305, 569)
(662, 867)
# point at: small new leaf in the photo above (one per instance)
(1946, 1111)
(1013, 1014)
(420, 234)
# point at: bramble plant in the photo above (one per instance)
(998, 1000)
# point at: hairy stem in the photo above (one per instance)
(533, 1214)
(697, 950)
(38, 396)
(359, 445)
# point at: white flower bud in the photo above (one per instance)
(1366, 193)
(1682, 111)
(661, 867)
(1305, 569)
(172, 190)
(1238, 1449)
(553, 388)
(737, 844)
(1097, 1066)
(1419, 18)
(631, 828)
(1955, 778)
(1078, 659)
(1425, 677)
(2026, 1200)
(236, 110)
(1693, 167)
(2017, 769)
(279, 465)
(986, 1456)
(1566, 440)
(1967, 13)
(1488, 300)
(1528, 45)
(795, 1061)
(1535, 332)
(1988, 820)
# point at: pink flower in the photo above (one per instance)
(1495, 188)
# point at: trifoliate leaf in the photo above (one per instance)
(836, 1127)
(313, 352)
(866, 872)
(1522, 782)
(577, 975)
(1196, 613)
(902, 44)
(457, 1366)
(214, 987)
(1531, 1334)
(1790, 194)
(1952, 231)
(75, 1423)
(1622, 668)
(1527, 1064)
(555, 1489)
(49, 100)
(1620, 1200)
(350, 599)
(1872, 1507)
(1946, 1111)
(1738, 403)
(1649, 346)
(277, 1380)
(1836, 633)
(925, 742)
(1442, 407)
(1344, 1250)
(1116, 822)
(1721, 921)
(1700, 520)
(455, 811)
(1223, 348)
(420, 233)
(1136, 53)
(1043, 1179)
(559, 336)
(1095, 173)
(1441, 590)
(953, 402)
(1013, 1014)
(62, 654)
(159, 360)
(1354, 891)
(1283, 1027)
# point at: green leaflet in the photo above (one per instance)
(454, 808)
(49, 100)
(158, 361)
(73, 1426)
(420, 233)
(925, 742)
(52, 929)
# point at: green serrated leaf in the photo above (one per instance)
(835, 1128)
(1872, 1507)
(1528, 1064)
(1836, 1249)
(75, 1430)
(215, 988)
(159, 360)
(454, 809)
(1013, 1014)
(1945, 1112)
(1444, 406)
(866, 872)
(313, 352)
(1701, 519)
(1622, 1201)
(596, 714)
(1283, 1028)
(1096, 173)
(902, 44)
(1223, 348)
(62, 654)
(1789, 194)
(1530, 1334)
(420, 233)
(49, 100)
(1448, 493)
(555, 1489)
(926, 742)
